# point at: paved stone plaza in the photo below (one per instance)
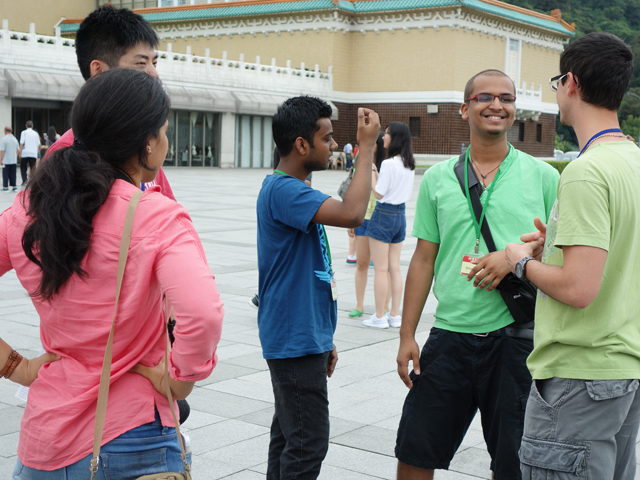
(231, 411)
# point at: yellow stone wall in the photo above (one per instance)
(44, 13)
(537, 66)
(310, 47)
(475, 53)
(386, 62)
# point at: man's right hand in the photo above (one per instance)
(409, 350)
(368, 126)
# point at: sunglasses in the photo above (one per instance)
(489, 98)
(554, 82)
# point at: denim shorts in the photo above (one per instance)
(459, 374)
(388, 223)
(144, 450)
(361, 231)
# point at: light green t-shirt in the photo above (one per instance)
(526, 189)
(598, 206)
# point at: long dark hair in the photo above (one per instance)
(401, 144)
(113, 117)
(51, 136)
(381, 153)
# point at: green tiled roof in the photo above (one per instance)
(269, 8)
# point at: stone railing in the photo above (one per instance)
(529, 102)
(56, 54)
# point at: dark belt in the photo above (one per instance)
(520, 331)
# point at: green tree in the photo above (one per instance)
(630, 126)
(565, 145)
(619, 17)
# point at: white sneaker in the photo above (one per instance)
(394, 322)
(375, 322)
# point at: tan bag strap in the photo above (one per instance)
(187, 467)
(103, 391)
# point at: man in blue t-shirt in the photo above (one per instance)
(298, 314)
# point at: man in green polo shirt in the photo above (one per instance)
(583, 414)
(469, 360)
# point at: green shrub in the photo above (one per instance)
(558, 165)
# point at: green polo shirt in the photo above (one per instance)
(526, 189)
(598, 206)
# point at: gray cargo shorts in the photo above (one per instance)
(580, 429)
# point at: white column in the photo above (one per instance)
(227, 140)
(5, 112)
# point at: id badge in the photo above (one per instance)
(470, 260)
(334, 288)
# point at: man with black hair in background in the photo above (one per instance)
(474, 358)
(115, 38)
(298, 312)
(584, 409)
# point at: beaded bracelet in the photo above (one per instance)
(12, 362)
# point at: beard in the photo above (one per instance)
(315, 164)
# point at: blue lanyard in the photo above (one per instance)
(608, 130)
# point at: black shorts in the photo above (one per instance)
(459, 373)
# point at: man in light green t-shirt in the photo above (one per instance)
(473, 358)
(584, 410)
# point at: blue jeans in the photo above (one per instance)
(144, 450)
(300, 427)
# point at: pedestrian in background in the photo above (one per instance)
(362, 250)
(29, 150)
(388, 224)
(9, 148)
(52, 136)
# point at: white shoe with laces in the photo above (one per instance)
(394, 322)
(375, 322)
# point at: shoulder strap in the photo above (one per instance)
(474, 192)
(105, 376)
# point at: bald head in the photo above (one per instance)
(468, 89)
(8, 129)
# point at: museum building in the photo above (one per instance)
(228, 65)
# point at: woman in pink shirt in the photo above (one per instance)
(62, 236)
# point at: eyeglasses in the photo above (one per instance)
(554, 82)
(489, 98)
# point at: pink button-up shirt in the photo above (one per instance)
(165, 257)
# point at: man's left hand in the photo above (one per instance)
(333, 359)
(489, 271)
(517, 251)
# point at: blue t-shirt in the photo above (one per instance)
(297, 314)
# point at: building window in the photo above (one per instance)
(513, 60)
(414, 126)
(539, 133)
(254, 141)
(194, 139)
(516, 133)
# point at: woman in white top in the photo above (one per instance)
(388, 223)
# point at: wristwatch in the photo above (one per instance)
(521, 266)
